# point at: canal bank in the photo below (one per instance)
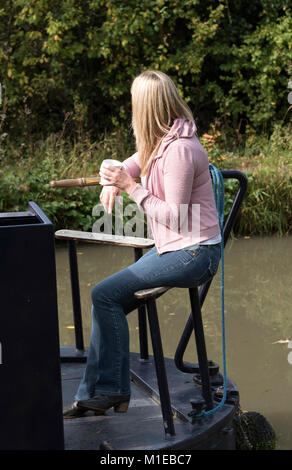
(26, 172)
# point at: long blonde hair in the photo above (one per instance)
(156, 103)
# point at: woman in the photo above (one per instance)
(174, 171)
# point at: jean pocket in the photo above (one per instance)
(188, 254)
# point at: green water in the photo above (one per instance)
(258, 304)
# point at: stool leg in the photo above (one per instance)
(160, 368)
(201, 346)
(144, 356)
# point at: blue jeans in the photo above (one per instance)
(107, 369)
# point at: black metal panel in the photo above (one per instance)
(30, 378)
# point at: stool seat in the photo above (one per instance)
(153, 292)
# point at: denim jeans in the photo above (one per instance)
(107, 369)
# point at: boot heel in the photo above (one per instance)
(122, 407)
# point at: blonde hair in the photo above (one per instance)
(156, 103)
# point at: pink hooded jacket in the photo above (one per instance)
(178, 199)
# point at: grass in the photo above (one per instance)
(27, 169)
(26, 172)
(267, 163)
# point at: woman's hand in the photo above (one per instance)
(107, 197)
(118, 177)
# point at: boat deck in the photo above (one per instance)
(141, 428)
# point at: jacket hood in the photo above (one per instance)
(181, 127)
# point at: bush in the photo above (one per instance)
(266, 208)
(76, 60)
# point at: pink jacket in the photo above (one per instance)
(178, 199)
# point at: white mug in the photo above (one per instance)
(106, 163)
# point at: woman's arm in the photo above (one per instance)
(131, 165)
(109, 193)
(179, 173)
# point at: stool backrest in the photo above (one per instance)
(230, 219)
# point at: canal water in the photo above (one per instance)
(258, 310)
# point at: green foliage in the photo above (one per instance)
(23, 180)
(261, 66)
(267, 163)
(266, 208)
(80, 56)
